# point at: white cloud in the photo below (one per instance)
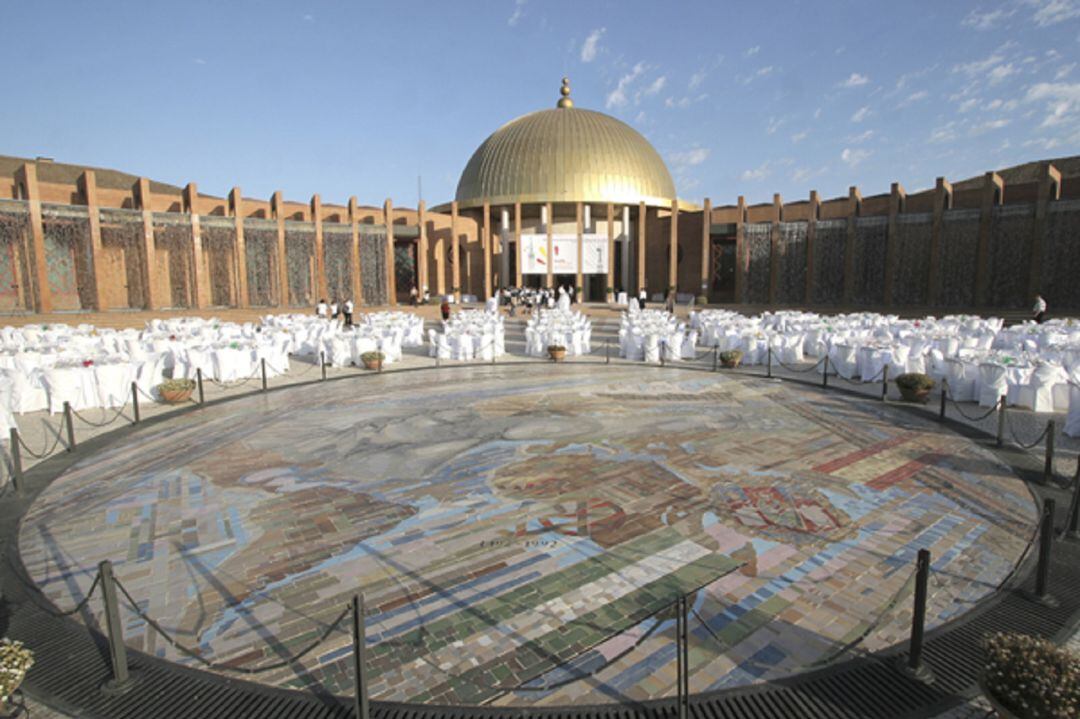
(696, 80)
(799, 136)
(977, 67)
(986, 20)
(802, 174)
(1062, 101)
(861, 137)
(1051, 12)
(519, 10)
(689, 158)
(773, 125)
(989, 125)
(817, 114)
(752, 51)
(914, 97)
(945, 133)
(1001, 72)
(760, 72)
(656, 86)
(617, 97)
(968, 105)
(591, 46)
(757, 174)
(1064, 71)
(852, 158)
(855, 80)
(309, 18)
(640, 117)
(200, 61)
(861, 114)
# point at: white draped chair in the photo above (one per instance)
(993, 382)
(114, 383)
(652, 348)
(28, 393)
(961, 378)
(1038, 394)
(1072, 420)
(689, 345)
(791, 349)
(74, 385)
(843, 360)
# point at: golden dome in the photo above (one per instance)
(565, 154)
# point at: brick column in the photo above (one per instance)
(1049, 190)
(993, 193)
(487, 242)
(455, 248)
(391, 270)
(41, 292)
(706, 238)
(149, 257)
(811, 236)
(354, 253)
(422, 249)
(609, 289)
(88, 187)
(579, 213)
(236, 206)
(517, 240)
(897, 198)
(643, 215)
(943, 197)
(278, 211)
(320, 251)
(673, 252)
(742, 257)
(200, 292)
(774, 247)
(854, 207)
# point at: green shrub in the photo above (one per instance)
(177, 385)
(729, 356)
(1031, 676)
(914, 382)
(372, 357)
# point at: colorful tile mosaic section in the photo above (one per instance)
(519, 534)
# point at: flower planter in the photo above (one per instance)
(175, 396)
(1000, 709)
(557, 354)
(920, 396)
(373, 364)
(731, 363)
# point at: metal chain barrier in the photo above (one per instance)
(78, 607)
(1019, 442)
(859, 382)
(789, 368)
(968, 417)
(224, 666)
(45, 453)
(106, 423)
(238, 383)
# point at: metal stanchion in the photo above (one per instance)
(662, 353)
(1048, 465)
(715, 357)
(944, 397)
(135, 401)
(360, 696)
(914, 664)
(69, 421)
(825, 372)
(768, 362)
(607, 351)
(262, 362)
(884, 382)
(121, 680)
(322, 363)
(1001, 421)
(198, 382)
(1046, 546)
(682, 658)
(1074, 506)
(16, 459)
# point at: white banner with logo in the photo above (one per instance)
(534, 254)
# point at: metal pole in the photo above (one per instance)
(683, 662)
(198, 382)
(117, 650)
(135, 401)
(884, 382)
(1001, 421)
(1048, 467)
(768, 362)
(262, 362)
(715, 357)
(1074, 506)
(322, 363)
(825, 372)
(70, 426)
(918, 617)
(944, 396)
(607, 351)
(16, 459)
(662, 346)
(1046, 545)
(360, 696)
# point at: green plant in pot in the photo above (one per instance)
(175, 391)
(1027, 677)
(731, 358)
(701, 300)
(557, 352)
(372, 360)
(15, 661)
(914, 386)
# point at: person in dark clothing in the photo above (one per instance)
(445, 307)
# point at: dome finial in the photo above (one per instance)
(565, 100)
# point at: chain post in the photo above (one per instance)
(1046, 546)
(70, 422)
(198, 382)
(121, 679)
(322, 364)
(825, 371)
(1074, 506)
(1001, 421)
(915, 664)
(682, 657)
(1048, 466)
(262, 363)
(662, 346)
(16, 460)
(715, 356)
(884, 383)
(360, 695)
(607, 351)
(768, 361)
(135, 402)
(944, 398)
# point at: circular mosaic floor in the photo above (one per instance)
(519, 533)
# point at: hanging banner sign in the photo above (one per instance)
(534, 254)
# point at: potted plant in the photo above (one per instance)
(175, 391)
(372, 360)
(556, 352)
(1030, 678)
(731, 358)
(914, 386)
(701, 300)
(15, 661)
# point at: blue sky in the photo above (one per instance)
(362, 98)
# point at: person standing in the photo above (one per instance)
(414, 296)
(347, 310)
(321, 309)
(445, 309)
(642, 296)
(669, 304)
(335, 309)
(1039, 310)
